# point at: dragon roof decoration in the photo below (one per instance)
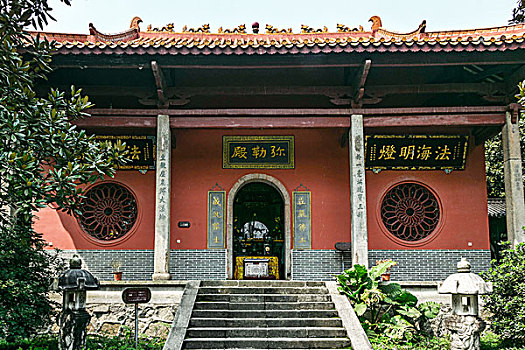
(168, 40)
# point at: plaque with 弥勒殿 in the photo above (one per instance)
(258, 152)
(416, 152)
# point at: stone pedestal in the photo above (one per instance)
(73, 329)
(161, 264)
(513, 181)
(464, 331)
(358, 192)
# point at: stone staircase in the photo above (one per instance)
(264, 315)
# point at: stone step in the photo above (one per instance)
(270, 332)
(259, 298)
(266, 343)
(263, 290)
(224, 305)
(264, 314)
(196, 322)
(247, 283)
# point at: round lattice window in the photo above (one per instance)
(109, 211)
(410, 212)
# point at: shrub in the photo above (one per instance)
(384, 308)
(507, 302)
(417, 343)
(44, 159)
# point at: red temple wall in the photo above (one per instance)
(64, 232)
(321, 164)
(463, 198)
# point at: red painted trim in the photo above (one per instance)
(435, 120)
(370, 121)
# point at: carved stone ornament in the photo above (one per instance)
(464, 332)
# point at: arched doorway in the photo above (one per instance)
(258, 229)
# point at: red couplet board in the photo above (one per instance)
(136, 295)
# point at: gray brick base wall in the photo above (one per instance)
(429, 265)
(196, 264)
(317, 265)
(136, 264)
(413, 265)
(307, 265)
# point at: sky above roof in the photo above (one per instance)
(111, 16)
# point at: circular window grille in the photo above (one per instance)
(109, 211)
(410, 212)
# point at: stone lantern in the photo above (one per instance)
(464, 323)
(74, 284)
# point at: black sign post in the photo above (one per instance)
(136, 296)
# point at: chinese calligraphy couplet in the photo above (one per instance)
(216, 213)
(162, 206)
(513, 181)
(359, 231)
(302, 219)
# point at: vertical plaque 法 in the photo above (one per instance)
(302, 219)
(216, 213)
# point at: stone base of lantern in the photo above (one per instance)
(73, 324)
(464, 331)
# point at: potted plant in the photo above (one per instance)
(386, 275)
(117, 274)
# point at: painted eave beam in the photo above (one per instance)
(284, 112)
(305, 121)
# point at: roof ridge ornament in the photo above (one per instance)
(205, 28)
(376, 23)
(307, 29)
(135, 21)
(240, 29)
(130, 34)
(341, 28)
(272, 30)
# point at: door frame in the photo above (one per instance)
(269, 180)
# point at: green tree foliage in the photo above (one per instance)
(507, 302)
(44, 159)
(518, 14)
(494, 154)
(384, 309)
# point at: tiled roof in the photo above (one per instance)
(201, 41)
(497, 207)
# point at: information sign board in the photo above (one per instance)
(136, 295)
